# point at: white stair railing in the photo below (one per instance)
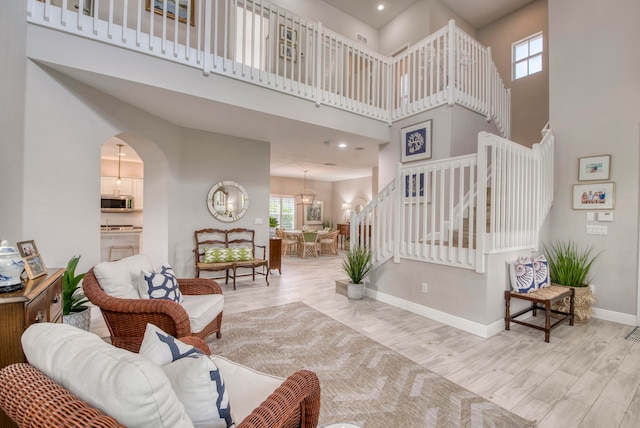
(258, 42)
(419, 215)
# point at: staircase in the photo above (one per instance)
(456, 211)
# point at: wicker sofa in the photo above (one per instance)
(32, 399)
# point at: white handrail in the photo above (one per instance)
(259, 42)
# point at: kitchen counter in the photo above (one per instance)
(120, 230)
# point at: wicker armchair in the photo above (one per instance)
(127, 318)
(31, 399)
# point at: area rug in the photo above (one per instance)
(362, 381)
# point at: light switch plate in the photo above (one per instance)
(596, 230)
(590, 217)
(257, 221)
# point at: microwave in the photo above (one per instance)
(114, 204)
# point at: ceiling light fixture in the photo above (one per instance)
(381, 7)
(119, 179)
(342, 145)
(306, 196)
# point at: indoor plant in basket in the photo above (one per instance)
(357, 265)
(569, 266)
(73, 299)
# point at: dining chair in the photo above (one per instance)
(289, 243)
(329, 243)
(308, 244)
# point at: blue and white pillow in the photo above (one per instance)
(195, 379)
(541, 271)
(161, 284)
(522, 275)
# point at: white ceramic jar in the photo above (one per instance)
(11, 265)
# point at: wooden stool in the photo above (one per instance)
(545, 297)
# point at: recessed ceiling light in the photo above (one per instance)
(359, 148)
(330, 164)
(381, 7)
(342, 145)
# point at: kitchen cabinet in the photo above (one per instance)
(108, 185)
(138, 193)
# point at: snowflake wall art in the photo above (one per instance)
(416, 142)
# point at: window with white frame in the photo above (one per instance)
(527, 56)
(283, 208)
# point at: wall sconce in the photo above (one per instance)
(346, 207)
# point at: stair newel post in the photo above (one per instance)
(537, 197)
(397, 213)
(481, 201)
(451, 72)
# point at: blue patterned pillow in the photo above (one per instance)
(541, 270)
(522, 275)
(161, 285)
(195, 379)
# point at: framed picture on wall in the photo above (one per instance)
(314, 213)
(289, 52)
(288, 35)
(594, 168)
(415, 142)
(596, 196)
(183, 9)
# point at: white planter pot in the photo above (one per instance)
(355, 291)
(81, 319)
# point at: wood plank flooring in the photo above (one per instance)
(588, 376)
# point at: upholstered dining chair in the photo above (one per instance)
(308, 244)
(329, 243)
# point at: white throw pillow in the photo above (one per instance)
(160, 284)
(196, 380)
(121, 384)
(541, 271)
(120, 279)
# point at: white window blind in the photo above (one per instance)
(283, 208)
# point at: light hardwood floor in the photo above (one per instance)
(587, 376)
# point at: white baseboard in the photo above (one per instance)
(619, 317)
(463, 324)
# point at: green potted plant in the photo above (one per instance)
(273, 223)
(569, 266)
(73, 299)
(357, 265)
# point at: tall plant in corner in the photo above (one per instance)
(357, 265)
(73, 299)
(569, 266)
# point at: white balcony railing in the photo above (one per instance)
(455, 211)
(263, 44)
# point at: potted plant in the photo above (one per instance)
(273, 223)
(357, 265)
(569, 266)
(73, 299)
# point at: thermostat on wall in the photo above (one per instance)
(608, 216)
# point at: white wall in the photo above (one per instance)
(346, 191)
(594, 109)
(13, 35)
(291, 186)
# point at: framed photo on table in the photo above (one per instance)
(415, 142)
(27, 248)
(34, 266)
(596, 196)
(594, 168)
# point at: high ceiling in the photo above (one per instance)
(295, 147)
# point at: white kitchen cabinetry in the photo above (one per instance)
(138, 193)
(108, 186)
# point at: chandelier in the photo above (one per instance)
(306, 196)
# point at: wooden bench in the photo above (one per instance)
(220, 250)
(545, 297)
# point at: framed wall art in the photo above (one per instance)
(172, 5)
(288, 35)
(596, 196)
(289, 52)
(314, 213)
(594, 168)
(415, 142)
(34, 266)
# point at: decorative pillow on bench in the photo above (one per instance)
(233, 254)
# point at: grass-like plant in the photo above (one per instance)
(569, 265)
(72, 296)
(357, 264)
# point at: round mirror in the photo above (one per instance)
(227, 201)
(359, 204)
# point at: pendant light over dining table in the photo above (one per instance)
(306, 196)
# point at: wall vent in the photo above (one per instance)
(362, 38)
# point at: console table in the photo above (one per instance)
(39, 301)
(275, 254)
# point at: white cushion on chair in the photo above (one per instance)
(120, 279)
(247, 388)
(121, 384)
(202, 309)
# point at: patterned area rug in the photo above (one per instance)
(362, 381)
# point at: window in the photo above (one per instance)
(252, 30)
(283, 208)
(527, 56)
